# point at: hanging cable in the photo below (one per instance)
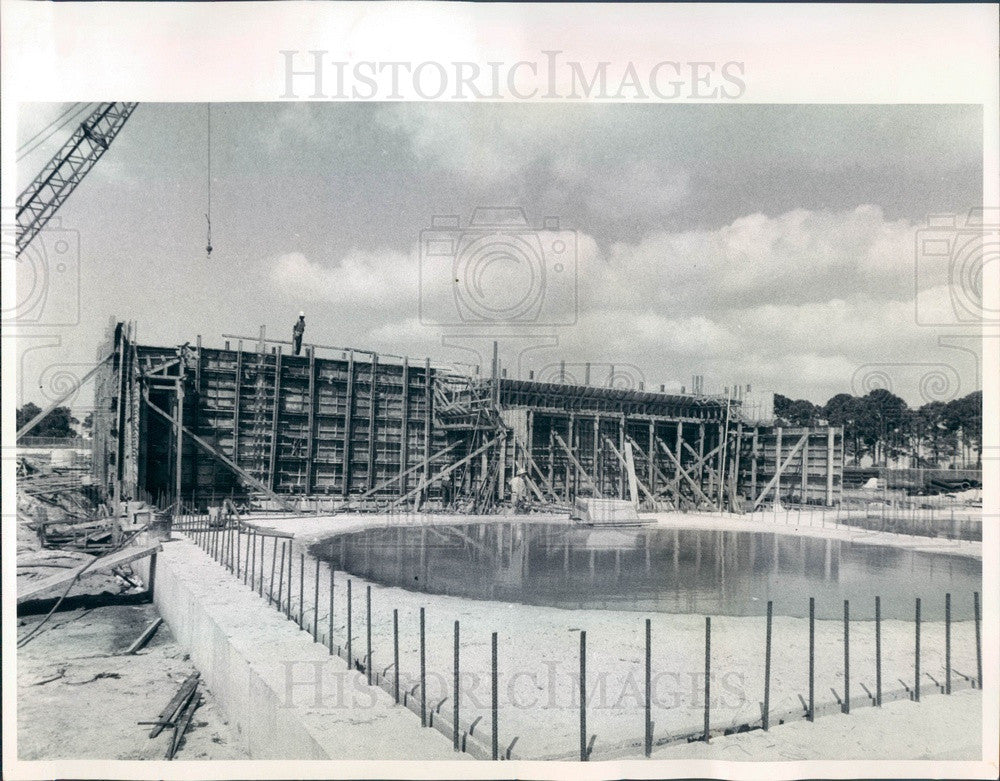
(208, 214)
(49, 130)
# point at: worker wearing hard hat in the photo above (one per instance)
(297, 330)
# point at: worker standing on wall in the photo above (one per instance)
(297, 330)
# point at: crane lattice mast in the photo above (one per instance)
(50, 189)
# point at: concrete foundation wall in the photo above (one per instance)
(247, 652)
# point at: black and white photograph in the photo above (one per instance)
(435, 385)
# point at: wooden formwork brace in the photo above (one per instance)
(577, 464)
(667, 487)
(625, 463)
(780, 470)
(694, 486)
(416, 467)
(252, 481)
(446, 471)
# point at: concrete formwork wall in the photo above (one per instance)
(344, 427)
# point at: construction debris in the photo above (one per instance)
(144, 638)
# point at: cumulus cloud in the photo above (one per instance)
(800, 300)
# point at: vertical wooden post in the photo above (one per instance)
(428, 411)
(423, 672)
(316, 606)
(878, 651)
(812, 658)
(236, 401)
(979, 641)
(302, 589)
(650, 464)
(455, 697)
(253, 559)
(777, 465)
(495, 700)
(372, 400)
(947, 643)
(649, 686)
(829, 464)
(329, 638)
(238, 553)
(916, 654)
(272, 477)
(847, 657)
(804, 460)
(260, 581)
(281, 574)
(708, 675)
(678, 455)
(178, 442)
(765, 717)
(404, 427)
(395, 653)
(753, 465)
(348, 419)
(311, 421)
(368, 633)
(350, 657)
(583, 695)
(288, 607)
(274, 556)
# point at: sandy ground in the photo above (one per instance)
(79, 698)
(539, 664)
(938, 728)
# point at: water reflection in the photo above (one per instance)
(666, 570)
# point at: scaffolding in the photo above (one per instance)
(355, 430)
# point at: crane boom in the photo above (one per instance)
(50, 189)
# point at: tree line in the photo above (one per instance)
(883, 426)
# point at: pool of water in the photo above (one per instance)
(665, 570)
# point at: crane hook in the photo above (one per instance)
(208, 248)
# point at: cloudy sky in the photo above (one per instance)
(771, 245)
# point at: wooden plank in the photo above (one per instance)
(144, 638)
(181, 696)
(183, 722)
(110, 561)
